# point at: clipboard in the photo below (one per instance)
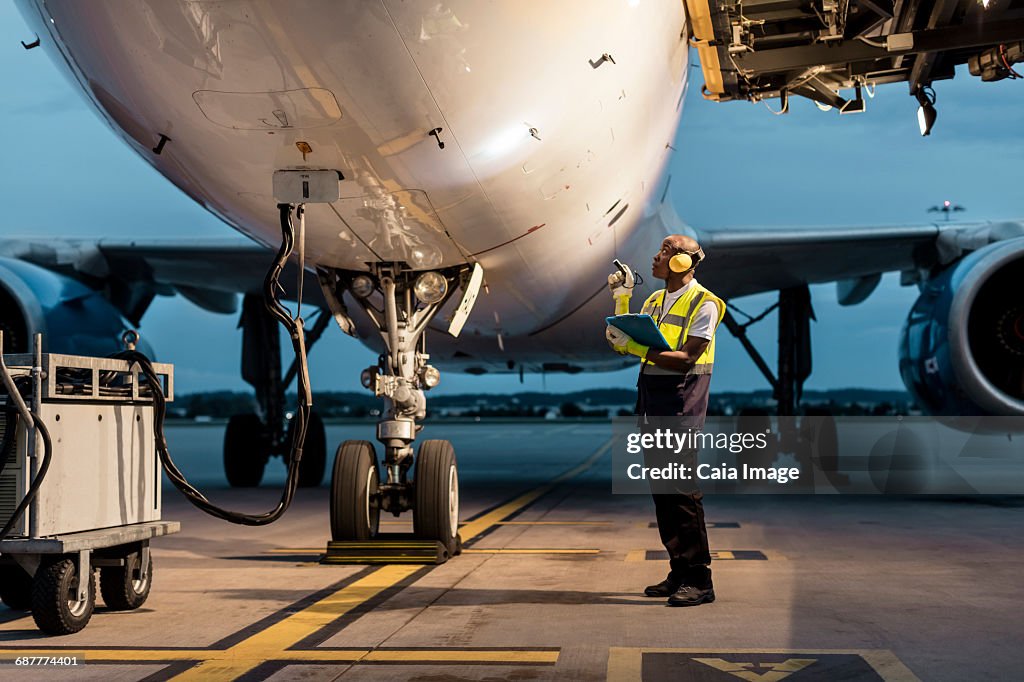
(642, 328)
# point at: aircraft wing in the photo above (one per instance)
(753, 260)
(209, 273)
(741, 261)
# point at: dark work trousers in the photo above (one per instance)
(680, 512)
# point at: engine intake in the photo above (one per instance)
(73, 318)
(962, 346)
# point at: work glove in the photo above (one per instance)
(621, 285)
(622, 343)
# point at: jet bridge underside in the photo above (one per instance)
(832, 51)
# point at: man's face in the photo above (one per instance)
(659, 266)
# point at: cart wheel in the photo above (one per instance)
(15, 588)
(121, 586)
(55, 605)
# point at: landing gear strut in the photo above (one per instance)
(251, 439)
(794, 346)
(400, 303)
(813, 440)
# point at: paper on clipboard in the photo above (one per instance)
(642, 328)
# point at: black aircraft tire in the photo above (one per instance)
(355, 511)
(54, 607)
(245, 451)
(436, 514)
(120, 587)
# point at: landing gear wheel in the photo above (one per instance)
(246, 451)
(436, 514)
(15, 587)
(55, 605)
(355, 509)
(314, 452)
(122, 588)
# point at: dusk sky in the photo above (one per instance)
(64, 173)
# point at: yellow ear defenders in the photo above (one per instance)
(681, 262)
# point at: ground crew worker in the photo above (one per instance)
(674, 383)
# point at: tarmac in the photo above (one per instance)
(549, 585)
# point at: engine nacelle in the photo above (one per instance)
(962, 346)
(73, 318)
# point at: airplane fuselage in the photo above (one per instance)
(530, 137)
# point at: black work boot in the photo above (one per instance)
(665, 588)
(688, 595)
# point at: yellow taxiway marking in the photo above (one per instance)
(716, 554)
(487, 521)
(553, 523)
(530, 551)
(625, 664)
(502, 550)
(274, 642)
(230, 657)
(637, 555)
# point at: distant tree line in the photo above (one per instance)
(578, 404)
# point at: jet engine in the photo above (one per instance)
(73, 318)
(962, 346)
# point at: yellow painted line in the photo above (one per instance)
(480, 525)
(553, 523)
(449, 656)
(142, 655)
(228, 658)
(716, 554)
(625, 664)
(385, 558)
(637, 555)
(273, 641)
(531, 551)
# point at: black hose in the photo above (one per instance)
(271, 288)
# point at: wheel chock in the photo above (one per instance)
(388, 549)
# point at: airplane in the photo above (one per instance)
(457, 178)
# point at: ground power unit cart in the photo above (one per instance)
(85, 495)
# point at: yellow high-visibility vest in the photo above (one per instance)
(675, 324)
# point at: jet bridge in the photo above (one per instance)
(835, 51)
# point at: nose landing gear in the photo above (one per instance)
(400, 303)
